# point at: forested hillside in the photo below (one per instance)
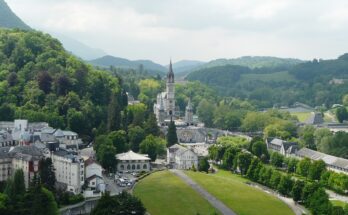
(40, 81)
(314, 83)
(8, 19)
(122, 63)
(254, 62)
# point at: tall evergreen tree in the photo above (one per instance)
(47, 176)
(151, 126)
(172, 137)
(114, 113)
(18, 182)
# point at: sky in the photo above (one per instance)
(196, 29)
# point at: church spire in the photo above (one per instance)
(170, 75)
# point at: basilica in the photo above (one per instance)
(165, 108)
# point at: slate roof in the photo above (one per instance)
(328, 159)
(130, 155)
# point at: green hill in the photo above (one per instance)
(254, 62)
(10, 20)
(146, 65)
(314, 83)
(40, 81)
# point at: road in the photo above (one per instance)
(211, 199)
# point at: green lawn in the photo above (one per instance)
(165, 194)
(338, 203)
(240, 197)
(302, 116)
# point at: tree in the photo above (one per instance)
(47, 175)
(243, 161)
(285, 185)
(7, 112)
(292, 165)
(152, 146)
(12, 79)
(260, 150)
(307, 137)
(341, 114)
(172, 137)
(205, 111)
(151, 126)
(114, 113)
(203, 165)
(62, 84)
(39, 201)
(319, 202)
(106, 205)
(119, 140)
(18, 182)
(106, 156)
(45, 81)
(136, 135)
(4, 205)
(303, 167)
(229, 155)
(296, 191)
(275, 179)
(124, 203)
(254, 168)
(277, 159)
(316, 169)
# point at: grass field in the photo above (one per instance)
(338, 203)
(165, 194)
(302, 116)
(240, 197)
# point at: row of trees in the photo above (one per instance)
(36, 200)
(249, 160)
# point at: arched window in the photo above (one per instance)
(133, 166)
(138, 166)
(122, 167)
(144, 166)
(128, 167)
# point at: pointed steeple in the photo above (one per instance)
(170, 75)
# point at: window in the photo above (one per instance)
(133, 166)
(144, 166)
(122, 167)
(128, 167)
(138, 166)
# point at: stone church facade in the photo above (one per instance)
(165, 108)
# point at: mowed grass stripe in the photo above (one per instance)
(163, 193)
(240, 197)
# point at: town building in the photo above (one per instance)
(93, 168)
(333, 163)
(69, 170)
(134, 162)
(281, 146)
(19, 157)
(6, 139)
(180, 157)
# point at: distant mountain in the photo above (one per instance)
(8, 19)
(254, 62)
(280, 81)
(79, 49)
(186, 65)
(123, 63)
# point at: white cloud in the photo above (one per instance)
(196, 29)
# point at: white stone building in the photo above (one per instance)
(20, 157)
(69, 170)
(93, 168)
(281, 146)
(180, 157)
(133, 162)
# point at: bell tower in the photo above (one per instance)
(170, 88)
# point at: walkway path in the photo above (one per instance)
(296, 208)
(336, 196)
(213, 201)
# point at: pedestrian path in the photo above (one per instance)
(211, 199)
